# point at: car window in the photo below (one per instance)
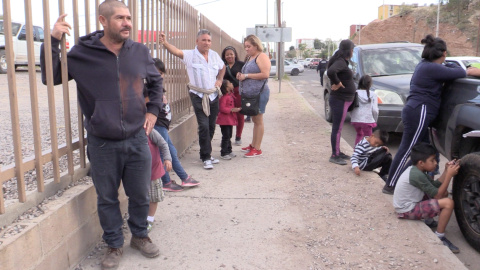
(287, 63)
(23, 34)
(15, 28)
(353, 64)
(469, 62)
(391, 61)
(39, 34)
(453, 62)
(273, 62)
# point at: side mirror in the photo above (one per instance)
(22, 36)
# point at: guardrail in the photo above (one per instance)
(179, 20)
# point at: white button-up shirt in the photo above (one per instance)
(201, 73)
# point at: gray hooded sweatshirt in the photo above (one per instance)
(367, 111)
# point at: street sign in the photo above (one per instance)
(271, 34)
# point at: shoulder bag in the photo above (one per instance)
(250, 105)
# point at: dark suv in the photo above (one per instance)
(455, 134)
(391, 66)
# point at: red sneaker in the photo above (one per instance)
(253, 153)
(248, 148)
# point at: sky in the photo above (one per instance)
(320, 19)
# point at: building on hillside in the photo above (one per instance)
(308, 41)
(387, 11)
(354, 28)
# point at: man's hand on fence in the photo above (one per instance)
(162, 39)
(61, 27)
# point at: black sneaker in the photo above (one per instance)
(388, 189)
(449, 244)
(343, 156)
(337, 160)
(172, 186)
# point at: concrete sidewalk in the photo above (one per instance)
(288, 209)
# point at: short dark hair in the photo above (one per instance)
(421, 152)
(106, 8)
(223, 88)
(159, 65)
(382, 135)
(225, 51)
(434, 48)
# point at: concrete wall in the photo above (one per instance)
(69, 229)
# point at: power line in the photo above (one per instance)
(206, 3)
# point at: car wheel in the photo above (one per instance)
(328, 111)
(295, 72)
(3, 62)
(466, 195)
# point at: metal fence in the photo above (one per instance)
(180, 22)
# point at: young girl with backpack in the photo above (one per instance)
(364, 117)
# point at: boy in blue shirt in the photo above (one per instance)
(417, 196)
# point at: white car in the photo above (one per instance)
(463, 61)
(303, 62)
(289, 68)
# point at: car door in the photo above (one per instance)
(37, 42)
(20, 46)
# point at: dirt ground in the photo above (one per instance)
(289, 209)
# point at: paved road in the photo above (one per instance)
(308, 84)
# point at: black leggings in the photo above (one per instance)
(339, 109)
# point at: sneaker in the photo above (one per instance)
(232, 155)
(238, 141)
(112, 257)
(343, 156)
(388, 189)
(145, 245)
(190, 182)
(253, 153)
(226, 157)
(449, 244)
(248, 119)
(172, 186)
(337, 160)
(149, 226)
(430, 222)
(247, 149)
(214, 160)
(207, 164)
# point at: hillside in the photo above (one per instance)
(458, 27)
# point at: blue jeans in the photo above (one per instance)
(128, 161)
(176, 165)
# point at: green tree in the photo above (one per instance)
(317, 44)
(301, 48)
(292, 53)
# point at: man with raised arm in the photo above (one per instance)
(205, 71)
(110, 71)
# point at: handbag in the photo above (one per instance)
(250, 105)
(355, 103)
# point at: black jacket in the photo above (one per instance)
(338, 72)
(110, 88)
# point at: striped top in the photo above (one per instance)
(201, 73)
(363, 150)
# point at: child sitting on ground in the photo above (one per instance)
(417, 196)
(370, 153)
(155, 143)
(364, 117)
(227, 118)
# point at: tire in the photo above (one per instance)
(295, 72)
(328, 111)
(466, 195)
(3, 62)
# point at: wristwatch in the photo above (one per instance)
(246, 76)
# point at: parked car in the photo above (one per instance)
(302, 62)
(20, 45)
(314, 63)
(455, 133)
(288, 68)
(391, 66)
(464, 61)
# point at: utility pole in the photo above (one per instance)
(478, 35)
(438, 17)
(280, 50)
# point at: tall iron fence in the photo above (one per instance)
(42, 132)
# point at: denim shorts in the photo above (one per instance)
(424, 209)
(264, 97)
